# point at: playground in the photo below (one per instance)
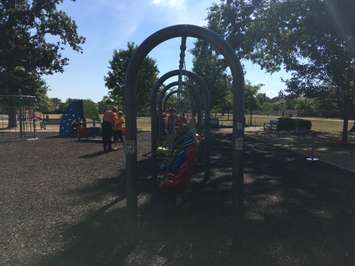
(68, 210)
(181, 165)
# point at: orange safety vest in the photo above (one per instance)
(118, 123)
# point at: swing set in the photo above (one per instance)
(18, 116)
(194, 86)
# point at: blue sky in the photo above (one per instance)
(110, 24)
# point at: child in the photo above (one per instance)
(118, 127)
(179, 170)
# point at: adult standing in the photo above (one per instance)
(107, 124)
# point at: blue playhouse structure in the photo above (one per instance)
(71, 116)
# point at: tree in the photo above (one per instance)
(116, 78)
(90, 110)
(230, 19)
(33, 35)
(233, 19)
(58, 105)
(44, 104)
(264, 103)
(313, 39)
(227, 103)
(68, 102)
(211, 67)
(250, 99)
(171, 102)
(327, 105)
(104, 104)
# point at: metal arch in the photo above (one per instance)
(154, 115)
(162, 102)
(131, 105)
(155, 118)
(206, 143)
(161, 97)
(195, 78)
(166, 89)
(167, 96)
(176, 83)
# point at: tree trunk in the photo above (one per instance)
(346, 115)
(251, 119)
(345, 130)
(345, 123)
(12, 117)
(353, 128)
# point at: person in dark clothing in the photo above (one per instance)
(107, 124)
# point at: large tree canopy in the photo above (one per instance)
(312, 39)
(116, 77)
(211, 67)
(33, 35)
(231, 19)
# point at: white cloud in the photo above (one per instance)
(170, 3)
(182, 11)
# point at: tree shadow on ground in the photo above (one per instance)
(93, 155)
(295, 213)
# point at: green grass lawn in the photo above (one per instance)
(332, 126)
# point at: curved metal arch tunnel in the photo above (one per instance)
(199, 107)
(194, 77)
(157, 85)
(170, 94)
(233, 62)
(155, 115)
(197, 102)
(195, 96)
(161, 96)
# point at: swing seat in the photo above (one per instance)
(181, 180)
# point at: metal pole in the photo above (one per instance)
(21, 124)
(34, 128)
(181, 67)
(238, 138)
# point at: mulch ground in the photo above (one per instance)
(60, 204)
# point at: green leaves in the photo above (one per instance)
(26, 50)
(312, 39)
(115, 78)
(90, 110)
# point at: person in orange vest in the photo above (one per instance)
(107, 125)
(118, 127)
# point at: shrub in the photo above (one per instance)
(289, 124)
